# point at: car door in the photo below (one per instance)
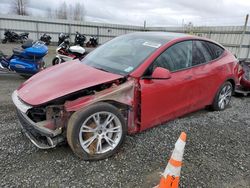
(165, 99)
(205, 73)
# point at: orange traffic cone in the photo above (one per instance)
(171, 176)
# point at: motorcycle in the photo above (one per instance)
(65, 52)
(93, 42)
(11, 36)
(244, 77)
(62, 37)
(79, 39)
(45, 38)
(25, 61)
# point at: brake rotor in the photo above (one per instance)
(87, 135)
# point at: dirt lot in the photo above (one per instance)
(217, 153)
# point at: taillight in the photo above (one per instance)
(240, 69)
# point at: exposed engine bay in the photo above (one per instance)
(54, 115)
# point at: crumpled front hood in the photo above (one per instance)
(61, 80)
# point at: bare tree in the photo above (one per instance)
(71, 12)
(79, 11)
(62, 12)
(49, 13)
(19, 7)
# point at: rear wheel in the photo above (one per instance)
(223, 97)
(97, 132)
(41, 65)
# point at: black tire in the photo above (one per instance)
(4, 41)
(216, 103)
(55, 61)
(75, 123)
(23, 40)
(42, 66)
(88, 45)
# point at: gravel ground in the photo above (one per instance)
(217, 153)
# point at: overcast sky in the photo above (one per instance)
(155, 12)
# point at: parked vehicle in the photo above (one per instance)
(45, 38)
(62, 37)
(79, 39)
(11, 36)
(93, 42)
(127, 85)
(244, 76)
(65, 52)
(25, 61)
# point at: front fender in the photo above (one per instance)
(123, 93)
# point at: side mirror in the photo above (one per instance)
(161, 73)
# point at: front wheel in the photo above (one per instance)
(223, 97)
(55, 61)
(97, 132)
(23, 39)
(4, 41)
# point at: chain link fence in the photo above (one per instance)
(235, 38)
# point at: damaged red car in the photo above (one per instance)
(129, 84)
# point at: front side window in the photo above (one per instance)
(176, 57)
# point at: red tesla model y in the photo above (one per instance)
(129, 84)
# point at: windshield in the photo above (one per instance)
(123, 54)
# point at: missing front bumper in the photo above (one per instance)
(41, 137)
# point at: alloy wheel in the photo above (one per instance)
(225, 96)
(100, 133)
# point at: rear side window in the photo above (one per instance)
(201, 53)
(215, 50)
(204, 52)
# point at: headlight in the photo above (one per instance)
(19, 104)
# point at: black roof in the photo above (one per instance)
(162, 37)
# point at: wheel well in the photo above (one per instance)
(127, 112)
(232, 82)
(120, 106)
